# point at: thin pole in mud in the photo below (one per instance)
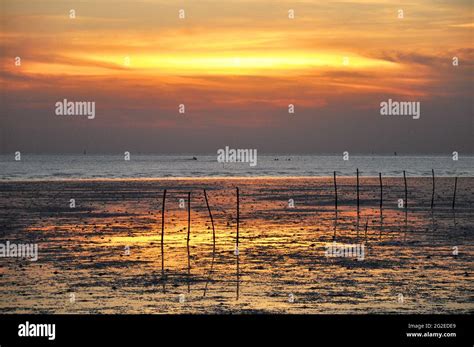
(358, 204)
(212, 220)
(454, 194)
(189, 217)
(433, 192)
(162, 239)
(238, 219)
(381, 204)
(187, 240)
(237, 245)
(433, 225)
(357, 191)
(406, 203)
(213, 244)
(406, 190)
(381, 192)
(335, 205)
(366, 226)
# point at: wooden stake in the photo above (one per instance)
(381, 191)
(381, 204)
(238, 218)
(189, 217)
(335, 191)
(366, 226)
(237, 246)
(433, 193)
(406, 190)
(162, 238)
(213, 244)
(212, 220)
(455, 187)
(406, 205)
(357, 191)
(187, 241)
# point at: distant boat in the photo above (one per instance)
(84, 152)
(194, 158)
(395, 153)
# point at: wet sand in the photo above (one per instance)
(84, 265)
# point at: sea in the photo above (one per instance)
(150, 166)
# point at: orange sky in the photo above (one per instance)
(247, 56)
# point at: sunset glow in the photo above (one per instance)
(247, 60)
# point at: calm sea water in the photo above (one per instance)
(40, 167)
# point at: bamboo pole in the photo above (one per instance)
(212, 220)
(406, 190)
(381, 205)
(162, 239)
(406, 205)
(381, 192)
(454, 194)
(189, 218)
(213, 244)
(238, 218)
(433, 192)
(335, 192)
(237, 246)
(187, 241)
(358, 204)
(366, 226)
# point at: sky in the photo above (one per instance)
(236, 66)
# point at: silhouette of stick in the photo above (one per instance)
(381, 192)
(335, 206)
(238, 218)
(366, 226)
(212, 220)
(162, 239)
(237, 246)
(433, 193)
(381, 204)
(454, 194)
(213, 244)
(189, 217)
(187, 241)
(358, 204)
(357, 191)
(406, 205)
(406, 190)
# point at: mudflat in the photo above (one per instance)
(104, 255)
